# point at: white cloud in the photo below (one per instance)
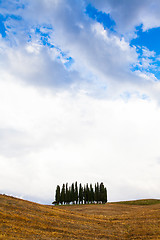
(50, 139)
(33, 65)
(62, 124)
(99, 55)
(129, 14)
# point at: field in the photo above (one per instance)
(20, 219)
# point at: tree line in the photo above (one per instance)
(75, 194)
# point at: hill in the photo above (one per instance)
(140, 202)
(20, 219)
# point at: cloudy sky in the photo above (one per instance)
(80, 97)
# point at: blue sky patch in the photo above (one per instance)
(15, 17)
(44, 36)
(100, 17)
(149, 39)
(43, 32)
(2, 26)
(69, 62)
(12, 4)
(147, 46)
(3, 19)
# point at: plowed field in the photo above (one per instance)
(20, 219)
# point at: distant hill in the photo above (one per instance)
(140, 202)
(20, 219)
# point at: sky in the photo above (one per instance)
(79, 97)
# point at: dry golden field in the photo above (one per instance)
(21, 219)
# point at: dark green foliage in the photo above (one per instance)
(63, 195)
(80, 194)
(76, 193)
(67, 194)
(105, 195)
(85, 194)
(91, 194)
(97, 193)
(70, 197)
(72, 193)
(57, 195)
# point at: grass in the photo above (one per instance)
(140, 202)
(20, 219)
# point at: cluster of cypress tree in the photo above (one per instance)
(80, 195)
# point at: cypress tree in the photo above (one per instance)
(91, 194)
(80, 194)
(102, 193)
(76, 193)
(67, 194)
(84, 194)
(105, 195)
(62, 199)
(57, 197)
(98, 192)
(87, 193)
(95, 194)
(72, 193)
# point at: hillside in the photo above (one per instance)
(20, 219)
